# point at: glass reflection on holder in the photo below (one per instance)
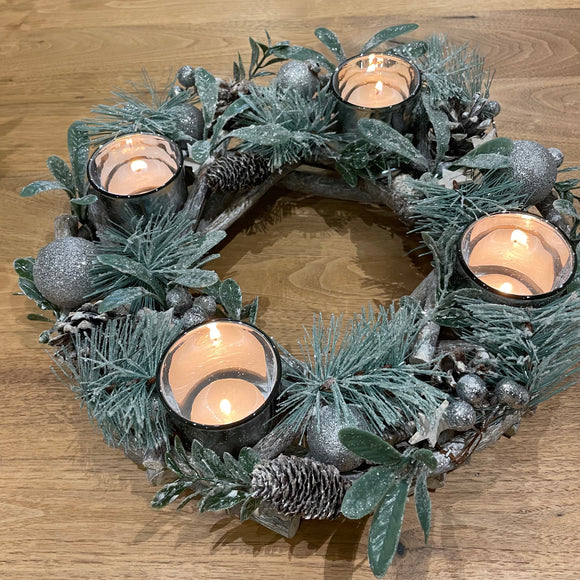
(517, 258)
(219, 383)
(378, 86)
(139, 172)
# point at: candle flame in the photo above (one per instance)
(379, 88)
(225, 407)
(519, 237)
(214, 332)
(138, 165)
(506, 287)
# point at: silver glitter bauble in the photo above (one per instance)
(192, 317)
(206, 303)
(491, 109)
(535, 168)
(186, 76)
(179, 299)
(512, 394)
(190, 120)
(299, 76)
(472, 389)
(61, 271)
(459, 415)
(323, 441)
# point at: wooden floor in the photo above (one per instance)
(70, 507)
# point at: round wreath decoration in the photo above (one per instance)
(379, 408)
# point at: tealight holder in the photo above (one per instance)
(377, 86)
(516, 258)
(139, 173)
(219, 383)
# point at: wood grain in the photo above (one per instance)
(72, 508)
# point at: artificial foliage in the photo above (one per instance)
(415, 387)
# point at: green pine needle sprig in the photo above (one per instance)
(359, 366)
(454, 71)
(153, 254)
(538, 347)
(112, 375)
(435, 208)
(286, 127)
(144, 108)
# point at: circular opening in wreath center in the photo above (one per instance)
(304, 256)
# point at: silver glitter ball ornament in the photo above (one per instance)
(299, 76)
(179, 299)
(190, 120)
(535, 168)
(206, 303)
(323, 441)
(186, 76)
(472, 389)
(459, 415)
(61, 271)
(193, 317)
(512, 394)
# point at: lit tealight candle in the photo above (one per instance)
(219, 382)
(141, 171)
(517, 256)
(375, 81)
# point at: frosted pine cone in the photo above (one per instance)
(296, 486)
(235, 172)
(228, 91)
(79, 322)
(467, 121)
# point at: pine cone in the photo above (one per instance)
(236, 172)
(78, 322)
(466, 121)
(229, 91)
(296, 486)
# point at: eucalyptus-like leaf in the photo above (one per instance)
(237, 107)
(31, 291)
(387, 34)
(249, 506)
(302, 53)
(122, 297)
(78, 150)
(221, 498)
(250, 311)
(197, 278)
(386, 527)
(40, 186)
(38, 318)
(207, 89)
(231, 298)
(366, 492)
(85, 200)
(248, 459)
(440, 123)
(423, 503)
(267, 134)
(391, 141)
(330, 40)
(61, 172)
(491, 161)
(199, 151)
(426, 457)
(255, 55)
(499, 145)
(24, 267)
(127, 266)
(410, 50)
(169, 493)
(369, 446)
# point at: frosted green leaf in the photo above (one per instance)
(366, 492)
(387, 34)
(423, 503)
(207, 89)
(40, 186)
(330, 40)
